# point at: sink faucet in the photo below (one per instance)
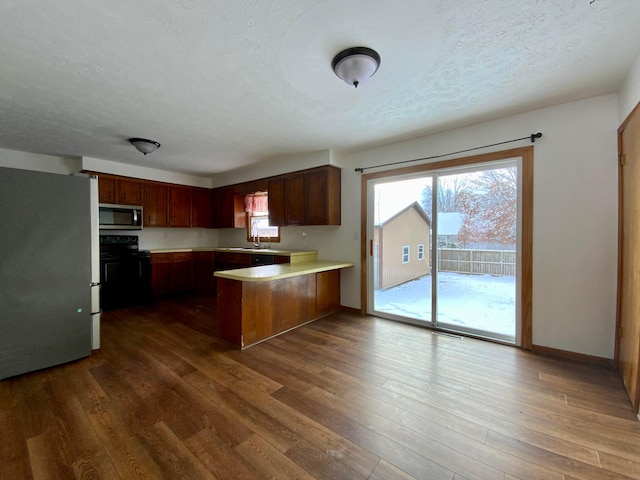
(256, 234)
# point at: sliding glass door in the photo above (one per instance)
(445, 248)
(402, 258)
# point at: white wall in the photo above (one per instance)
(575, 215)
(630, 92)
(41, 163)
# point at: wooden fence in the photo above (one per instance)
(492, 262)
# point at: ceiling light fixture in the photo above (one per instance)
(143, 145)
(356, 65)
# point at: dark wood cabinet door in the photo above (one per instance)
(327, 291)
(181, 276)
(315, 198)
(223, 208)
(161, 278)
(294, 200)
(239, 214)
(228, 209)
(322, 196)
(179, 207)
(155, 205)
(129, 192)
(201, 208)
(275, 190)
(107, 189)
(203, 279)
(216, 207)
(279, 259)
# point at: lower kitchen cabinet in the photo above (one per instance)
(160, 273)
(181, 272)
(203, 280)
(175, 272)
(171, 272)
(252, 311)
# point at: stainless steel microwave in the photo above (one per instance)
(119, 217)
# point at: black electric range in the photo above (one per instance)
(125, 272)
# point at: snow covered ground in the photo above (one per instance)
(480, 302)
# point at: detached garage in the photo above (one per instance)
(401, 244)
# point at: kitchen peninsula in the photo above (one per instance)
(258, 303)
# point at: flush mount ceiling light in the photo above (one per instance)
(143, 145)
(356, 65)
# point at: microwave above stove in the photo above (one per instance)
(119, 217)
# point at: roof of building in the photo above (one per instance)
(414, 205)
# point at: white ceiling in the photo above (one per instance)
(225, 84)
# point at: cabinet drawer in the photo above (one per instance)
(181, 256)
(160, 257)
(202, 256)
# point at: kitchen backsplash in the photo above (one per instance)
(156, 238)
(329, 242)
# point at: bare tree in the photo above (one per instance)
(448, 195)
(490, 206)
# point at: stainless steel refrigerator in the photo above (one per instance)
(48, 267)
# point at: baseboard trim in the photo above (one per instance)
(351, 310)
(578, 357)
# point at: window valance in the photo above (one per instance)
(256, 202)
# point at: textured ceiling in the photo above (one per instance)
(225, 84)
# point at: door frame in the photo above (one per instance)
(634, 396)
(526, 154)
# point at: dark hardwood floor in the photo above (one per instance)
(346, 397)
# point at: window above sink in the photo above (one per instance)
(258, 228)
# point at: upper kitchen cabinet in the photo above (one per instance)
(155, 205)
(294, 204)
(201, 208)
(107, 189)
(122, 191)
(228, 209)
(275, 189)
(310, 197)
(129, 192)
(179, 206)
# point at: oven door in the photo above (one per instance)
(124, 282)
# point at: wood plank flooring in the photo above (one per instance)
(346, 397)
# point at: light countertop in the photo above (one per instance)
(267, 273)
(266, 251)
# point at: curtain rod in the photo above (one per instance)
(531, 137)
